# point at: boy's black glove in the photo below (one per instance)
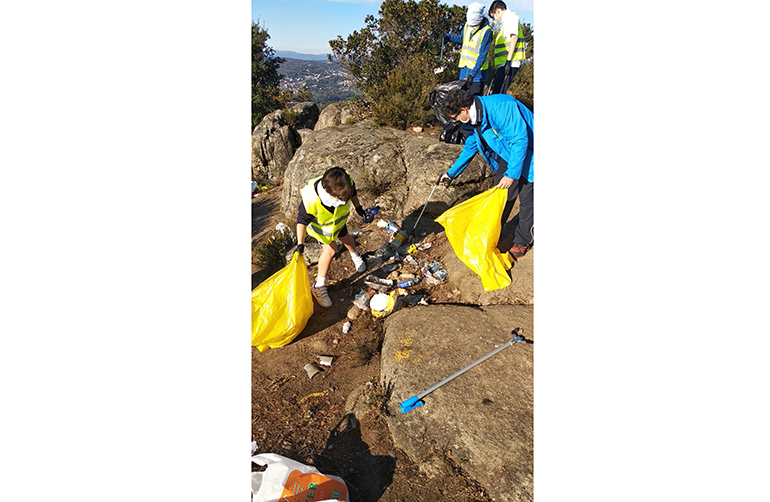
(360, 211)
(301, 248)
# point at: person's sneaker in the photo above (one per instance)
(322, 295)
(518, 250)
(360, 265)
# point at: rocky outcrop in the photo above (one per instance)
(335, 114)
(307, 115)
(483, 419)
(393, 169)
(273, 143)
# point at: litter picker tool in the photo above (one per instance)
(414, 402)
(423, 208)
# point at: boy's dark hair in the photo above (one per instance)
(454, 100)
(336, 182)
(497, 4)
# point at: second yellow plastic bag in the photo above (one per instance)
(281, 306)
(473, 228)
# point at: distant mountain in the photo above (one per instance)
(298, 55)
(327, 82)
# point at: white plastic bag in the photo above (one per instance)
(288, 480)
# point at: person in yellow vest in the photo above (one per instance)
(509, 46)
(476, 38)
(323, 213)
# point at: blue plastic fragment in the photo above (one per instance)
(410, 404)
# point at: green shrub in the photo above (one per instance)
(402, 99)
(268, 252)
(522, 87)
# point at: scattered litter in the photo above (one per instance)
(286, 231)
(410, 260)
(346, 327)
(390, 267)
(362, 300)
(355, 233)
(326, 360)
(335, 341)
(353, 312)
(312, 369)
(409, 282)
(437, 270)
(412, 299)
(424, 246)
(411, 249)
(254, 447)
(378, 284)
(286, 478)
(422, 302)
(386, 304)
(369, 213)
(379, 302)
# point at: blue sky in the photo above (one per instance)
(307, 25)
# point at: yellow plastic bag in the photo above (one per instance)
(281, 306)
(473, 229)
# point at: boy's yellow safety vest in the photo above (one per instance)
(471, 48)
(503, 43)
(326, 226)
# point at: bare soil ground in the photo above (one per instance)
(308, 420)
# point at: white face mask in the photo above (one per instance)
(329, 200)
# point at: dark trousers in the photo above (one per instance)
(525, 191)
(500, 83)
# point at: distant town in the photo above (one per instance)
(327, 82)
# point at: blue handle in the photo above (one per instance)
(410, 404)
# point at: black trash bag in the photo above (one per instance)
(453, 133)
(437, 95)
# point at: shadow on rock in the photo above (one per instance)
(347, 455)
(426, 224)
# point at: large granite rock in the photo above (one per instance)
(335, 114)
(393, 169)
(273, 143)
(481, 420)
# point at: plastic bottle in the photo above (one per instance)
(390, 267)
(362, 300)
(398, 239)
(409, 282)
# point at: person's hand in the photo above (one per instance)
(505, 182)
(301, 248)
(444, 180)
(360, 211)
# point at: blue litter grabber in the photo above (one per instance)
(414, 402)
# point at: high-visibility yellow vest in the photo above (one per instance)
(326, 226)
(472, 47)
(503, 44)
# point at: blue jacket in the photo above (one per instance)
(507, 130)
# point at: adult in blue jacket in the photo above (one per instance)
(504, 136)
